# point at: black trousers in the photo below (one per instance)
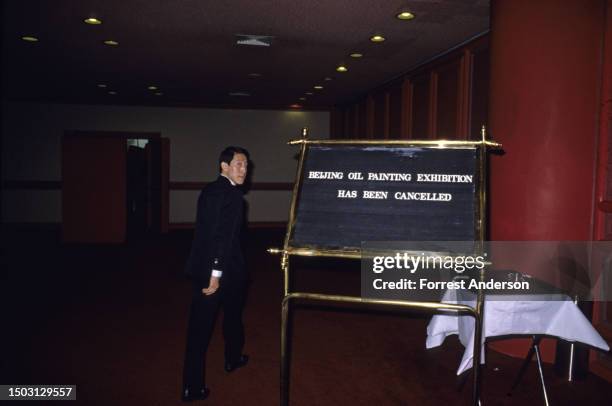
(202, 315)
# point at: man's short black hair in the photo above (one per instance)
(228, 154)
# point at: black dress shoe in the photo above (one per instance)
(232, 366)
(190, 395)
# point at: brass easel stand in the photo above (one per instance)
(286, 252)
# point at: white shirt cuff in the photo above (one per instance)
(216, 274)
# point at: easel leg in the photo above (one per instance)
(284, 378)
(476, 364)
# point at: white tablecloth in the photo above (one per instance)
(560, 318)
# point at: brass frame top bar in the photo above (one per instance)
(314, 252)
(416, 143)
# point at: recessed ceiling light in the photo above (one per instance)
(254, 40)
(243, 94)
(29, 38)
(327, 79)
(318, 87)
(302, 98)
(112, 92)
(377, 38)
(152, 87)
(111, 42)
(92, 21)
(309, 93)
(342, 68)
(101, 85)
(159, 93)
(254, 75)
(405, 15)
(356, 55)
(296, 106)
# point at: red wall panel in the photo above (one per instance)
(395, 112)
(420, 107)
(447, 101)
(379, 114)
(480, 93)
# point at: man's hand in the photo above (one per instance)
(213, 285)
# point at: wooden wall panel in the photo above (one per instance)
(349, 115)
(445, 98)
(420, 107)
(464, 96)
(369, 108)
(379, 115)
(406, 109)
(447, 101)
(355, 119)
(480, 93)
(395, 113)
(362, 120)
(345, 122)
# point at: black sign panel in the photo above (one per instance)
(351, 194)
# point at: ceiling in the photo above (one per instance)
(187, 49)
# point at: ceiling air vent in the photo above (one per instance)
(254, 40)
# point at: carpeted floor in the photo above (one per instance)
(111, 320)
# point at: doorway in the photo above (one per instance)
(114, 186)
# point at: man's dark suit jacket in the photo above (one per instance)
(216, 243)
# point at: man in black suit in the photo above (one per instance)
(216, 267)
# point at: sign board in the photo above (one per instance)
(349, 194)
